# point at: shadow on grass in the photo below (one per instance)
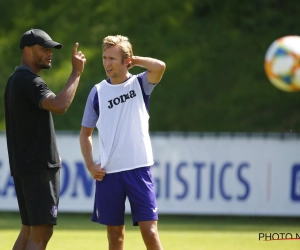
(82, 221)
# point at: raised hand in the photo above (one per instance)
(78, 59)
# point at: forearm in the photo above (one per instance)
(65, 97)
(86, 146)
(151, 64)
(154, 66)
(59, 104)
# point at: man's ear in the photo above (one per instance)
(27, 50)
(128, 62)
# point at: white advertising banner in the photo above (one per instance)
(209, 174)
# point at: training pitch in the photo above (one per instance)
(177, 232)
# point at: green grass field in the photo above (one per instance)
(77, 232)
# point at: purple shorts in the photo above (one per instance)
(111, 193)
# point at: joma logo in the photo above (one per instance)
(121, 99)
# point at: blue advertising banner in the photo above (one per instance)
(194, 174)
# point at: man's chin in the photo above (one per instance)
(46, 66)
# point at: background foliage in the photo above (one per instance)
(214, 52)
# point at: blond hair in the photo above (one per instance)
(122, 42)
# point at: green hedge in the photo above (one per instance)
(214, 52)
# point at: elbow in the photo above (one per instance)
(162, 66)
(60, 111)
(54, 105)
(157, 73)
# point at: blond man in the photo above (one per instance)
(118, 107)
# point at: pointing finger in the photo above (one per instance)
(75, 48)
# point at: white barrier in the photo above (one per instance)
(209, 174)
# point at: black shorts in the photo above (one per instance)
(38, 197)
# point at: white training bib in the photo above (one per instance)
(123, 127)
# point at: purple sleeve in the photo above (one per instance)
(146, 87)
(91, 111)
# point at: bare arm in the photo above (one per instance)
(155, 67)
(60, 103)
(86, 146)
